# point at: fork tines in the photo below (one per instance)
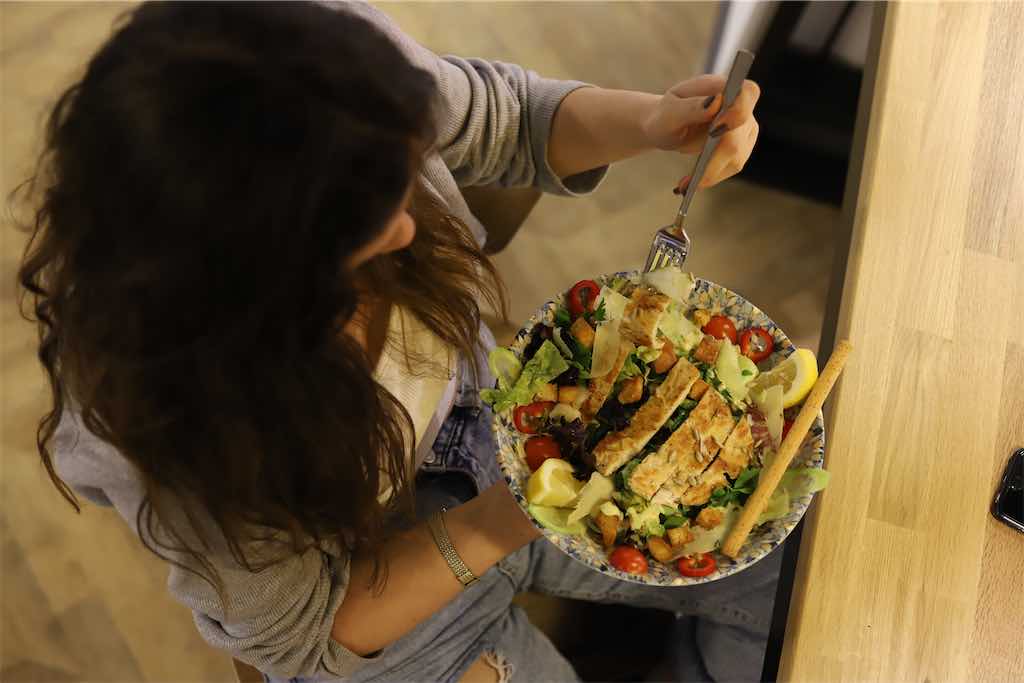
(667, 249)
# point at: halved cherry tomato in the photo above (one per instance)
(756, 344)
(786, 427)
(720, 327)
(540, 448)
(528, 418)
(700, 564)
(629, 560)
(583, 297)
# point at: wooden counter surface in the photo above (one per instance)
(903, 573)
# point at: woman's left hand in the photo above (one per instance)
(682, 120)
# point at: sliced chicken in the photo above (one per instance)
(686, 445)
(711, 479)
(737, 449)
(641, 316)
(690, 473)
(616, 449)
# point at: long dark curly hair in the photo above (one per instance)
(201, 190)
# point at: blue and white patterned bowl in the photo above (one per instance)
(763, 539)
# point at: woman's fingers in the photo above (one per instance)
(742, 108)
(731, 154)
(701, 86)
(690, 127)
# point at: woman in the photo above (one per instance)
(257, 288)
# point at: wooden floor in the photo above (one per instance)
(80, 599)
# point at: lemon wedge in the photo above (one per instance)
(553, 484)
(796, 375)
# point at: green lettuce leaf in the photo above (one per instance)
(546, 365)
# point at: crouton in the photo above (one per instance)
(707, 350)
(583, 333)
(632, 390)
(667, 359)
(547, 392)
(709, 518)
(680, 536)
(571, 395)
(660, 550)
(609, 526)
(701, 317)
(698, 389)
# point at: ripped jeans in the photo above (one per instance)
(721, 631)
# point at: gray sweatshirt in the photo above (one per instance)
(495, 120)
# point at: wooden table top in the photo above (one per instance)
(903, 573)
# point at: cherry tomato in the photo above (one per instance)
(721, 327)
(756, 344)
(786, 427)
(540, 448)
(700, 564)
(629, 560)
(583, 297)
(528, 418)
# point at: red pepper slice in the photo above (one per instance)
(701, 564)
(756, 344)
(583, 297)
(528, 418)
(786, 426)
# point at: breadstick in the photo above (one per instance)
(771, 476)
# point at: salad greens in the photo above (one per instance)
(546, 365)
(737, 491)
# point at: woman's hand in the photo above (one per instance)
(682, 119)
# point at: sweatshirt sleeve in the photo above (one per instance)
(494, 118)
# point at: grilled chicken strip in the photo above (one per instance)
(641, 316)
(616, 449)
(695, 484)
(682, 448)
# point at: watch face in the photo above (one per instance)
(1009, 503)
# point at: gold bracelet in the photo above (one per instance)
(440, 533)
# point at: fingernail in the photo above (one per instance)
(708, 101)
(719, 131)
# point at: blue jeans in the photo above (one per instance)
(721, 631)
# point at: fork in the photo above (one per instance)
(671, 244)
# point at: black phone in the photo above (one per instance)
(1008, 506)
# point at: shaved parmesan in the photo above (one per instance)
(593, 494)
(769, 402)
(606, 348)
(614, 303)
